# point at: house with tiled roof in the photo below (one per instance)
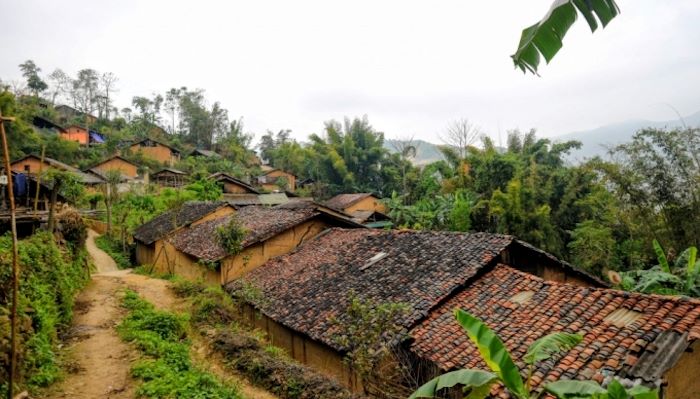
(636, 338)
(275, 179)
(199, 152)
(157, 151)
(233, 185)
(32, 165)
(170, 177)
(364, 207)
(150, 236)
(116, 162)
(195, 252)
(311, 286)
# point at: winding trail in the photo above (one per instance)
(97, 360)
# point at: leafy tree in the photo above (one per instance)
(31, 73)
(84, 91)
(477, 383)
(204, 190)
(231, 236)
(546, 36)
(60, 84)
(65, 183)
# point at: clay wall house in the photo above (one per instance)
(270, 231)
(32, 165)
(170, 177)
(150, 236)
(43, 124)
(157, 151)
(363, 207)
(68, 114)
(232, 185)
(116, 162)
(307, 288)
(204, 153)
(272, 179)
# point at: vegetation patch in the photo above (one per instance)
(247, 352)
(51, 276)
(167, 370)
(114, 249)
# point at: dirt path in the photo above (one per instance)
(99, 361)
(103, 262)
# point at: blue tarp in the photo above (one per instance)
(96, 137)
(19, 184)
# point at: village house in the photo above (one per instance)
(232, 185)
(42, 124)
(116, 162)
(68, 114)
(31, 165)
(157, 151)
(363, 207)
(308, 288)
(170, 177)
(81, 135)
(150, 236)
(198, 152)
(195, 252)
(273, 179)
(519, 291)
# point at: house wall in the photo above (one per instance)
(178, 263)
(305, 350)
(125, 168)
(159, 153)
(33, 164)
(76, 133)
(231, 188)
(538, 264)
(682, 378)
(145, 254)
(291, 179)
(370, 203)
(255, 255)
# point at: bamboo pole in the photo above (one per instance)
(15, 266)
(38, 180)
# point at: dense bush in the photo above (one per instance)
(51, 276)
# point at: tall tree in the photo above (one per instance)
(31, 73)
(108, 82)
(84, 92)
(60, 84)
(460, 134)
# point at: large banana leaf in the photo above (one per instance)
(545, 37)
(545, 347)
(661, 256)
(572, 389)
(478, 382)
(493, 352)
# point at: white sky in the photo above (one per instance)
(411, 66)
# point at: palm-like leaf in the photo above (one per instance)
(545, 347)
(572, 389)
(493, 352)
(477, 381)
(545, 37)
(661, 256)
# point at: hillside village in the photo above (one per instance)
(162, 249)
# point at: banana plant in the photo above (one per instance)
(545, 37)
(477, 384)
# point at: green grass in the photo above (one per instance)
(114, 249)
(166, 369)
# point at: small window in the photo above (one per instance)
(27, 168)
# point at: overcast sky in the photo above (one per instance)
(410, 66)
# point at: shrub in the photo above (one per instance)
(231, 236)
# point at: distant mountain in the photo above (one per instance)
(596, 141)
(425, 152)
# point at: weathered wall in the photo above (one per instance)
(76, 133)
(367, 204)
(682, 379)
(231, 188)
(255, 255)
(175, 262)
(291, 179)
(125, 168)
(33, 164)
(160, 153)
(305, 350)
(538, 264)
(145, 254)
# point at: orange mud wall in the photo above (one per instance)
(367, 204)
(125, 168)
(159, 153)
(305, 350)
(76, 133)
(33, 164)
(231, 188)
(255, 255)
(682, 379)
(291, 180)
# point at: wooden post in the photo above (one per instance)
(38, 180)
(15, 266)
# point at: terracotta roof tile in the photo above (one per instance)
(606, 349)
(167, 222)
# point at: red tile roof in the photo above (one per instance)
(305, 289)
(167, 222)
(607, 349)
(260, 222)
